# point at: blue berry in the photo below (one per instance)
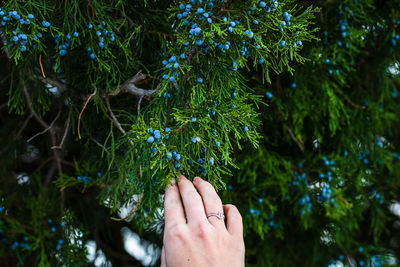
(76, 34)
(30, 16)
(150, 139)
(268, 94)
(245, 128)
(217, 143)
(282, 43)
(172, 59)
(172, 78)
(167, 130)
(157, 134)
(262, 4)
(63, 52)
(92, 56)
(193, 119)
(200, 80)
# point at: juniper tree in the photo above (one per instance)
(290, 109)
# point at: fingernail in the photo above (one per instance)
(173, 181)
(197, 179)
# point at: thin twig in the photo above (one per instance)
(41, 66)
(3, 39)
(84, 106)
(138, 107)
(64, 135)
(133, 210)
(47, 129)
(115, 120)
(91, 7)
(300, 145)
(44, 125)
(22, 128)
(100, 145)
(349, 100)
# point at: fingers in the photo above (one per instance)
(163, 262)
(234, 222)
(192, 201)
(211, 200)
(173, 210)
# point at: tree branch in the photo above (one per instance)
(300, 145)
(115, 120)
(47, 129)
(129, 86)
(64, 135)
(3, 39)
(61, 86)
(44, 125)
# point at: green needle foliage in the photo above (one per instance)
(290, 109)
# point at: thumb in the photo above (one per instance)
(163, 263)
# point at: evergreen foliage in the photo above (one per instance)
(290, 109)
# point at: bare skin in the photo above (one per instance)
(200, 241)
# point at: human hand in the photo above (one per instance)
(200, 241)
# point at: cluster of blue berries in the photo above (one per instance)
(105, 37)
(62, 48)
(172, 63)
(305, 204)
(20, 38)
(156, 139)
(271, 8)
(343, 27)
(395, 38)
(396, 156)
(254, 212)
(299, 179)
(156, 135)
(23, 245)
(329, 163)
(53, 228)
(377, 196)
(363, 156)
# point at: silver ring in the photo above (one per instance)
(219, 215)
